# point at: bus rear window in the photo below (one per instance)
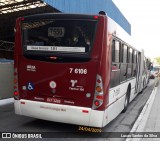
(47, 37)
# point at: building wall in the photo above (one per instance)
(92, 7)
(6, 79)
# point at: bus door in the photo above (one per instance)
(137, 87)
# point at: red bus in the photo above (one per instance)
(73, 68)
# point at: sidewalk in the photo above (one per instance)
(6, 101)
(149, 118)
(153, 122)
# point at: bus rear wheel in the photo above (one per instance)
(144, 83)
(126, 101)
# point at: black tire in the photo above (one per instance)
(144, 84)
(148, 80)
(126, 103)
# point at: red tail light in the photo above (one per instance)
(95, 17)
(16, 92)
(98, 80)
(98, 97)
(97, 103)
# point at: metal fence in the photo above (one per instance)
(6, 49)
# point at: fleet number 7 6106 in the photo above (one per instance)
(78, 71)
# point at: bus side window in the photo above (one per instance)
(134, 70)
(115, 73)
(145, 65)
(123, 68)
(129, 68)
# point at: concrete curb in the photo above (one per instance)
(141, 121)
(6, 101)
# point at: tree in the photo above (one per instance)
(157, 60)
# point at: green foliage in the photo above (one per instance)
(157, 60)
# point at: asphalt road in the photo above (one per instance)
(9, 122)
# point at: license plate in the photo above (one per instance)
(54, 100)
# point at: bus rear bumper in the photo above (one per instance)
(59, 113)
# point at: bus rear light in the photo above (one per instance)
(16, 93)
(98, 89)
(98, 80)
(96, 103)
(23, 103)
(100, 97)
(15, 81)
(95, 17)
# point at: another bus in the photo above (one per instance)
(149, 67)
(77, 69)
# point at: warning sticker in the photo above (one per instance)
(30, 86)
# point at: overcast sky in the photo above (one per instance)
(144, 17)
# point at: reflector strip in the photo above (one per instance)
(23, 103)
(85, 111)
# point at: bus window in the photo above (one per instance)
(115, 63)
(129, 68)
(113, 51)
(58, 37)
(134, 70)
(124, 54)
(134, 57)
(123, 74)
(116, 51)
(130, 55)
